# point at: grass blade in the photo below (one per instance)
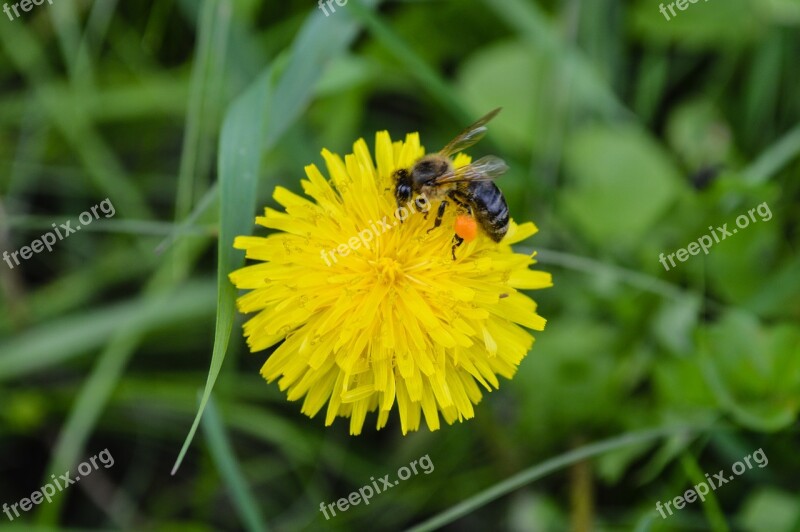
(93, 396)
(54, 342)
(415, 65)
(254, 124)
(206, 88)
(774, 158)
(239, 162)
(530, 21)
(540, 470)
(228, 466)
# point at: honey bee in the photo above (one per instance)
(471, 187)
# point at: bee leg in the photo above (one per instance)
(439, 215)
(423, 209)
(460, 201)
(457, 241)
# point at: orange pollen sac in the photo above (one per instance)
(466, 227)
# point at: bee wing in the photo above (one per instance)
(486, 168)
(470, 136)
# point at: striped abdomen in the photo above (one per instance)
(491, 210)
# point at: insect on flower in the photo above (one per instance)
(391, 324)
(471, 186)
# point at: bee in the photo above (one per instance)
(470, 187)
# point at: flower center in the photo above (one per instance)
(388, 269)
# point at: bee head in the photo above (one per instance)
(402, 187)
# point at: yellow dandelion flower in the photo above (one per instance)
(369, 311)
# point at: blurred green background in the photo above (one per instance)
(627, 135)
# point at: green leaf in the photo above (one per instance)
(699, 134)
(613, 171)
(768, 508)
(527, 120)
(753, 370)
(674, 323)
